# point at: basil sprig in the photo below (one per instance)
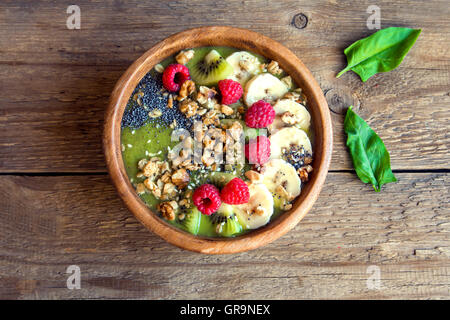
(381, 52)
(370, 157)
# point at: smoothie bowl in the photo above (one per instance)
(218, 139)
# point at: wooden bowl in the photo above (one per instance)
(245, 40)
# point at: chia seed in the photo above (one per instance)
(296, 156)
(154, 97)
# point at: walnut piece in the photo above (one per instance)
(167, 209)
(189, 107)
(184, 56)
(140, 188)
(274, 68)
(180, 178)
(226, 110)
(303, 172)
(287, 81)
(187, 88)
(253, 176)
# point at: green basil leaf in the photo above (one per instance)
(370, 157)
(381, 52)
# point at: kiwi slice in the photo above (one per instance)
(220, 179)
(225, 222)
(207, 71)
(191, 221)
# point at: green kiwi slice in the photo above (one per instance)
(191, 221)
(207, 71)
(220, 179)
(225, 222)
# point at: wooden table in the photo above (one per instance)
(58, 207)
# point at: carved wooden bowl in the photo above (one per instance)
(245, 40)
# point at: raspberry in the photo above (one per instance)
(259, 115)
(235, 192)
(231, 91)
(258, 150)
(207, 199)
(174, 75)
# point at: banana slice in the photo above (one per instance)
(245, 66)
(258, 210)
(290, 113)
(277, 175)
(264, 87)
(286, 137)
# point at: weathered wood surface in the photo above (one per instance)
(49, 223)
(55, 84)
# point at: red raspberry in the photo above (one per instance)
(259, 115)
(257, 150)
(207, 199)
(235, 192)
(231, 91)
(174, 75)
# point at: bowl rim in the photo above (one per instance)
(242, 39)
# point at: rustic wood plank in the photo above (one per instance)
(55, 82)
(50, 222)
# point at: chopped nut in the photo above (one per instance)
(287, 81)
(150, 185)
(166, 177)
(308, 160)
(274, 68)
(303, 172)
(151, 169)
(174, 205)
(187, 88)
(140, 188)
(241, 110)
(180, 178)
(142, 163)
(226, 110)
(159, 68)
(205, 95)
(189, 108)
(236, 130)
(166, 210)
(290, 118)
(169, 189)
(170, 102)
(184, 56)
(280, 190)
(181, 216)
(287, 206)
(253, 176)
(155, 113)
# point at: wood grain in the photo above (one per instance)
(54, 87)
(49, 223)
(58, 81)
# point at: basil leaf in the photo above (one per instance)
(370, 157)
(381, 52)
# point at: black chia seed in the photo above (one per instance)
(296, 156)
(135, 115)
